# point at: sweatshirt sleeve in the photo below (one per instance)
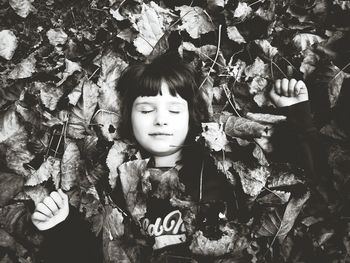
(299, 142)
(71, 241)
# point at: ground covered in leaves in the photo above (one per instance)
(59, 113)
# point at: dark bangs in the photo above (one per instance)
(146, 80)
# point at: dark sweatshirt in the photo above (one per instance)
(72, 240)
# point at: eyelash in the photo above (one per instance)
(149, 111)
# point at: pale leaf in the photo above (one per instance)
(50, 95)
(24, 69)
(274, 198)
(309, 62)
(113, 222)
(335, 85)
(214, 136)
(115, 157)
(257, 85)
(9, 124)
(258, 153)
(258, 68)
(233, 34)
(57, 36)
(305, 40)
(70, 165)
(70, 68)
(22, 7)
(266, 118)
(266, 47)
(107, 123)
(242, 11)
(253, 180)
(194, 21)
(151, 26)
(8, 44)
(49, 168)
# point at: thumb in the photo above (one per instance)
(273, 95)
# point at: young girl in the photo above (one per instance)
(176, 190)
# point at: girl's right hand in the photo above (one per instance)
(53, 210)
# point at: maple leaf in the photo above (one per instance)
(111, 68)
(244, 128)
(115, 157)
(24, 69)
(10, 185)
(214, 136)
(194, 21)
(305, 40)
(233, 34)
(253, 180)
(49, 168)
(70, 165)
(8, 44)
(151, 25)
(22, 7)
(82, 113)
(57, 36)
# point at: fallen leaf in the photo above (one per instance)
(24, 69)
(115, 157)
(70, 165)
(253, 180)
(22, 7)
(242, 11)
(82, 113)
(244, 128)
(258, 153)
(305, 40)
(50, 94)
(113, 222)
(266, 47)
(194, 21)
(266, 118)
(214, 136)
(8, 44)
(151, 25)
(257, 85)
(107, 123)
(111, 67)
(49, 168)
(37, 193)
(335, 84)
(9, 124)
(309, 63)
(70, 68)
(9, 242)
(10, 185)
(233, 34)
(57, 36)
(274, 198)
(258, 68)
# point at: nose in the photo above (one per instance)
(161, 118)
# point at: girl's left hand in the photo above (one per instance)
(288, 92)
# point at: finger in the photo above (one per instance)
(278, 86)
(63, 195)
(284, 87)
(37, 216)
(56, 197)
(291, 87)
(42, 208)
(301, 87)
(50, 203)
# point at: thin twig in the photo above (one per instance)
(279, 68)
(216, 57)
(341, 71)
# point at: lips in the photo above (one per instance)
(160, 134)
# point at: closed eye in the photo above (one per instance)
(146, 111)
(175, 112)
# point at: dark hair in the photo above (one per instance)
(146, 79)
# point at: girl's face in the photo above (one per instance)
(160, 123)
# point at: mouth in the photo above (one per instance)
(160, 134)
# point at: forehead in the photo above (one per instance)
(164, 97)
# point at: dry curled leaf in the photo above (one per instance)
(235, 35)
(9, 124)
(24, 69)
(244, 128)
(70, 165)
(305, 40)
(57, 36)
(115, 157)
(10, 185)
(22, 7)
(214, 136)
(49, 168)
